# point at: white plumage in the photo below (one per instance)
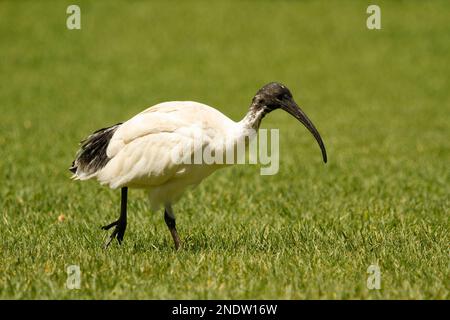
(140, 151)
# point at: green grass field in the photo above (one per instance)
(379, 98)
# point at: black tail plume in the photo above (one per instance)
(92, 155)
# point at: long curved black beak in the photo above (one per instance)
(292, 108)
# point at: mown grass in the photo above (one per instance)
(379, 98)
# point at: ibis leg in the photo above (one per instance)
(121, 223)
(169, 217)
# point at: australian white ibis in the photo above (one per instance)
(138, 153)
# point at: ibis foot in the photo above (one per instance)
(118, 232)
(169, 218)
(121, 223)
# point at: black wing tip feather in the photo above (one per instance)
(92, 155)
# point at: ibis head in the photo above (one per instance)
(277, 96)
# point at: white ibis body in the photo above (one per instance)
(139, 152)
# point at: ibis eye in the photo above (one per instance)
(287, 96)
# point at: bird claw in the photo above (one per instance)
(109, 226)
(117, 233)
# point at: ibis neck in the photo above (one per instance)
(252, 119)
